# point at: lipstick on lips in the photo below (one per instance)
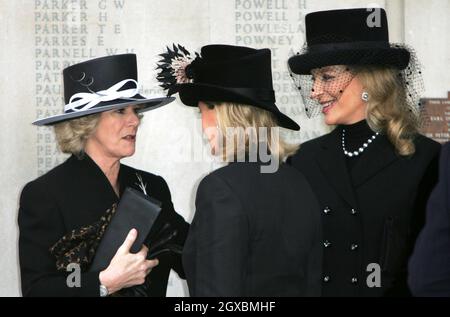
(130, 137)
(327, 106)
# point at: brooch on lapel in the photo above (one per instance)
(141, 184)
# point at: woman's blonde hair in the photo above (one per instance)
(73, 134)
(387, 109)
(257, 126)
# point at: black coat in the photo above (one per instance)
(371, 215)
(254, 234)
(429, 267)
(70, 196)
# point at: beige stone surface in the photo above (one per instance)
(38, 39)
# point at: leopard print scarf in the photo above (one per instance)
(79, 245)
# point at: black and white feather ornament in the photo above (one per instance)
(175, 66)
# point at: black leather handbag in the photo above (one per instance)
(135, 210)
(139, 211)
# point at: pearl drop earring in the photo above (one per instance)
(365, 96)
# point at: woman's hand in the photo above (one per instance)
(127, 269)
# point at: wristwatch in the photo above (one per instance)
(103, 291)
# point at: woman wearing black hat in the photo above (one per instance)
(373, 173)
(66, 209)
(256, 227)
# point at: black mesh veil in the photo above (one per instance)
(332, 80)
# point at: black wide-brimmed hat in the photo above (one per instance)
(102, 84)
(348, 37)
(222, 73)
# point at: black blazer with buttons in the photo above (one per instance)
(254, 234)
(371, 215)
(73, 195)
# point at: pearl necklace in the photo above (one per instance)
(361, 149)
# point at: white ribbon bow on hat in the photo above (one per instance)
(90, 100)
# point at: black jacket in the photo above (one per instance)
(70, 196)
(371, 215)
(254, 234)
(429, 267)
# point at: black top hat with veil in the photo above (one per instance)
(353, 37)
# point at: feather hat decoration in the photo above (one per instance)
(221, 73)
(175, 66)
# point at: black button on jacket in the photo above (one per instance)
(378, 206)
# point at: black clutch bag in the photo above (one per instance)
(135, 210)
